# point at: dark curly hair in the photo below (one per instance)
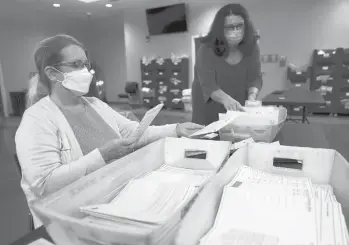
(216, 39)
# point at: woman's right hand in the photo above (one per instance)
(116, 149)
(232, 105)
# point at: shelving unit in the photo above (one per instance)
(163, 82)
(327, 74)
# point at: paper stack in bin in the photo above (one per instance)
(276, 209)
(322, 171)
(262, 123)
(160, 194)
(160, 166)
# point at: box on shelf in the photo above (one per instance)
(343, 82)
(328, 108)
(65, 223)
(295, 111)
(175, 102)
(297, 76)
(149, 83)
(329, 70)
(345, 71)
(322, 166)
(178, 83)
(345, 56)
(325, 57)
(342, 106)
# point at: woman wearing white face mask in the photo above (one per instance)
(63, 135)
(227, 69)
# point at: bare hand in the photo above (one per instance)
(187, 129)
(232, 105)
(117, 148)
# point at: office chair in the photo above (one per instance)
(31, 221)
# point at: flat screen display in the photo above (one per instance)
(167, 19)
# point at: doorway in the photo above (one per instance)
(3, 97)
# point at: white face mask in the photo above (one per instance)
(78, 81)
(234, 36)
(234, 29)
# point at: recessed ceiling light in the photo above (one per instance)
(56, 5)
(89, 1)
(108, 5)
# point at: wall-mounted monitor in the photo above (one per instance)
(167, 19)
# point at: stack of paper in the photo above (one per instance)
(213, 127)
(262, 208)
(145, 123)
(150, 204)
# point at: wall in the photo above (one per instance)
(108, 50)
(17, 44)
(103, 38)
(290, 28)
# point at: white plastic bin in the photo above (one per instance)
(260, 132)
(322, 166)
(60, 212)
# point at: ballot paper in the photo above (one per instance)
(288, 210)
(254, 215)
(239, 237)
(213, 127)
(41, 241)
(153, 198)
(145, 123)
(145, 201)
(242, 143)
(180, 175)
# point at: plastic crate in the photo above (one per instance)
(328, 108)
(345, 71)
(148, 68)
(175, 102)
(322, 166)
(236, 131)
(295, 111)
(344, 56)
(332, 70)
(298, 76)
(342, 107)
(325, 57)
(65, 223)
(343, 83)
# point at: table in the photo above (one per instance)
(316, 135)
(292, 134)
(295, 97)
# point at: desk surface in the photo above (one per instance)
(295, 96)
(292, 134)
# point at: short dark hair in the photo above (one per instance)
(216, 39)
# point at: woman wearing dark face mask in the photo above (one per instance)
(227, 69)
(63, 135)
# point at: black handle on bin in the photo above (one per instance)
(287, 163)
(196, 154)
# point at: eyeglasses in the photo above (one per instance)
(78, 64)
(235, 27)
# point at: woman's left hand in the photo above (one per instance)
(252, 97)
(187, 129)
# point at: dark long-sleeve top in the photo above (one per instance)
(213, 73)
